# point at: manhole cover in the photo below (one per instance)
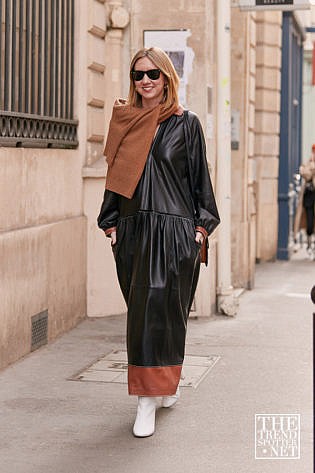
(112, 368)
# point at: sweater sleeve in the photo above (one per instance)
(207, 216)
(109, 212)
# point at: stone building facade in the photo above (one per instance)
(119, 44)
(53, 257)
(267, 131)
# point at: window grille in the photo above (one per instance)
(37, 73)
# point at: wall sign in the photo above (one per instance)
(272, 4)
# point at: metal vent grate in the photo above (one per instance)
(39, 329)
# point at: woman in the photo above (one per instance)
(305, 213)
(158, 209)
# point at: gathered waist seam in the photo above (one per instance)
(150, 212)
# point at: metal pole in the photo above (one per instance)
(226, 302)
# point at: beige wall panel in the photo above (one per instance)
(268, 233)
(251, 114)
(96, 86)
(270, 168)
(269, 17)
(267, 122)
(269, 34)
(43, 268)
(66, 274)
(252, 61)
(96, 14)
(268, 56)
(103, 293)
(238, 53)
(197, 6)
(267, 145)
(205, 298)
(12, 188)
(252, 90)
(23, 288)
(252, 252)
(95, 123)
(269, 191)
(252, 32)
(237, 268)
(156, 10)
(240, 256)
(114, 76)
(267, 100)
(251, 197)
(251, 170)
(243, 90)
(268, 78)
(94, 151)
(39, 186)
(43, 243)
(96, 47)
(237, 191)
(251, 143)
(107, 86)
(267, 127)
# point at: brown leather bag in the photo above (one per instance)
(204, 251)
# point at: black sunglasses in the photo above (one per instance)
(153, 74)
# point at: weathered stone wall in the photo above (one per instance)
(42, 245)
(43, 233)
(243, 57)
(267, 130)
(104, 44)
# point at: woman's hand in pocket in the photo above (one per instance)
(199, 238)
(113, 237)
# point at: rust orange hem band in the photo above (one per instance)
(153, 381)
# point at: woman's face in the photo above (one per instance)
(151, 90)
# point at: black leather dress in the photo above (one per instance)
(157, 257)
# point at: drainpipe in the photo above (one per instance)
(227, 303)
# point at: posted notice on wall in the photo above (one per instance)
(174, 43)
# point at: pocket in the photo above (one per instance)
(114, 249)
(196, 244)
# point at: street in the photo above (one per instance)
(53, 424)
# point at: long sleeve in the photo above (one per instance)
(207, 216)
(109, 212)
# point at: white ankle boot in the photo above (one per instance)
(169, 401)
(145, 421)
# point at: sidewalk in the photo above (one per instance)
(50, 424)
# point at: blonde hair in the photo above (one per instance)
(161, 60)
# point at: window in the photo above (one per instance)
(36, 71)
